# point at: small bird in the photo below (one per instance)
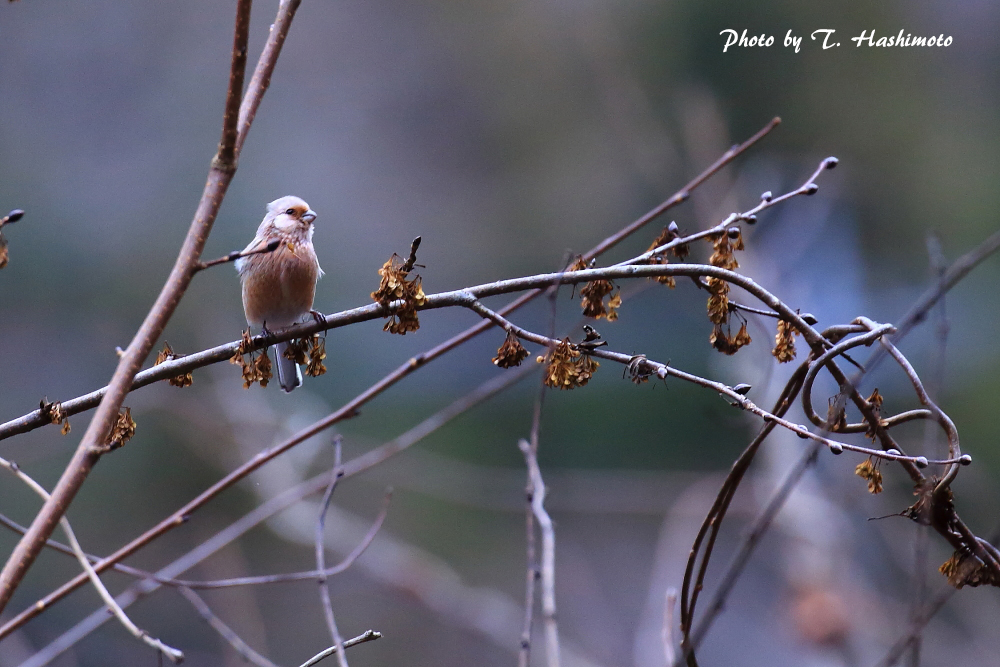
(279, 286)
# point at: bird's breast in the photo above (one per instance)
(279, 286)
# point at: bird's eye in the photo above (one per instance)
(290, 211)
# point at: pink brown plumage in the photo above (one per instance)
(279, 286)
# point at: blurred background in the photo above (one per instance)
(506, 134)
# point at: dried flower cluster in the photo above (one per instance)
(592, 300)
(680, 251)
(722, 337)
(395, 287)
(875, 401)
(592, 294)
(836, 416)
(579, 264)
(258, 368)
(511, 353)
(13, 216)
(723, 245)
(869, 470)
(724, 341)
(965, 569)
(784, 342)
(309, 352)
(167, 354)
(123, 430)
(568, 368)
(55, 413)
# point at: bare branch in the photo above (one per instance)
(227, 633)
(355, 466)
(667, 633)
(261, 79)
(91, 446)
(548, 561)
(324, 592)
(237, 254)
(220, 353)
(367, 636)
(173, 654)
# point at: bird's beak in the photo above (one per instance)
(309, 216)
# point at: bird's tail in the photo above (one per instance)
(289, 375)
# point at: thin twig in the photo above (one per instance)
(324, 591)
(227, 633)
(173, 654)
(411, 260)
(938, 266)
(281, 578)
(918, 624)
(261, 79)
(532, 574)
(749, 543)
(367, 636)
(958, 270)
(353, 467)
(238, 254)
(11, 217)
(809, 187)
(548, 560)
(667, 632)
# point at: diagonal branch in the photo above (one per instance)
(76, 550)
(367, 636)
(92, 446)
(38, 418)
(227, 633)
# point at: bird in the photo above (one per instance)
(279, 286)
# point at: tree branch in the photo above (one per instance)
(92, 446)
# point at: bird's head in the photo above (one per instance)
(290, 214)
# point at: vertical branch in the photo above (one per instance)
(667, 632)
(938, 265)
(261, 79)
(93, 444)
(548, 564)
(533, 573)
(524, 654)
(324, 591)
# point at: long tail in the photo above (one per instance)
(289, 375)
